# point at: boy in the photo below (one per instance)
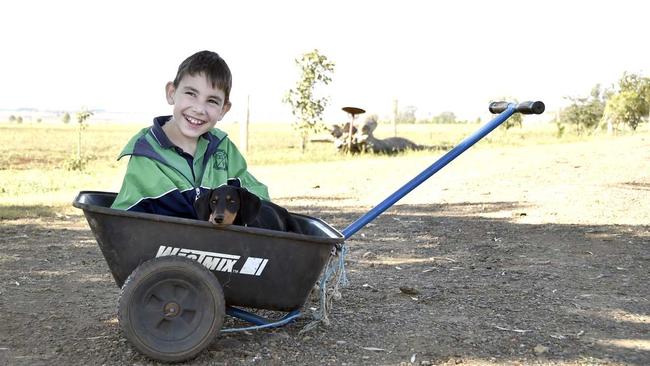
(183, 155)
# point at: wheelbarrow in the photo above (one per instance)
(180, 277)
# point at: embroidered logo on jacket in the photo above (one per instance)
(221, 160)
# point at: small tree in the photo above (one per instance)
(66, 118)
(585, 113)
(306, 107)
(78, 162)
(82, 116)
(631, 105)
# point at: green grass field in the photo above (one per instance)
(36, 183)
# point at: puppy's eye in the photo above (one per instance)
(214, 201)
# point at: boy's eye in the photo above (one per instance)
(190, 93)
(214, 101)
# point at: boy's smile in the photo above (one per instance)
(194, 121)
(198, 106)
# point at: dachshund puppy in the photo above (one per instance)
(232, 205)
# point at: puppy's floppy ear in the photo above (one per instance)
(202, 205)
(250, 206)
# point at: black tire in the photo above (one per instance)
(171, 308)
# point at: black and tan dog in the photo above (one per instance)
(232, 205)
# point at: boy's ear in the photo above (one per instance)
(169, 92)
(226, 108)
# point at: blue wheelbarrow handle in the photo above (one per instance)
(504, 109)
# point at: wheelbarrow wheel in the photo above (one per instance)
(171, 308)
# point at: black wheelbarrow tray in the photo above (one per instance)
(170, 305)
(179, 277)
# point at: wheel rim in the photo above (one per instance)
(171, 310)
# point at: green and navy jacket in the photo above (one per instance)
(160, 180)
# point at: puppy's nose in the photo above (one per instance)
(216, 219)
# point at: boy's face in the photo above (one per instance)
(198, 106)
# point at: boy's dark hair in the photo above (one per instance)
(212, 66)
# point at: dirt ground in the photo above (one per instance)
(516, 256)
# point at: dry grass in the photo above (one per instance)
(35, 181)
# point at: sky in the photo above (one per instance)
(436, 56)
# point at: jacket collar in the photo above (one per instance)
(158, 132)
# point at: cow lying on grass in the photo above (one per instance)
(363, 140)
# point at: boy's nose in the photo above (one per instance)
(198, 108)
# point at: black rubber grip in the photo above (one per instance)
(536, 107)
